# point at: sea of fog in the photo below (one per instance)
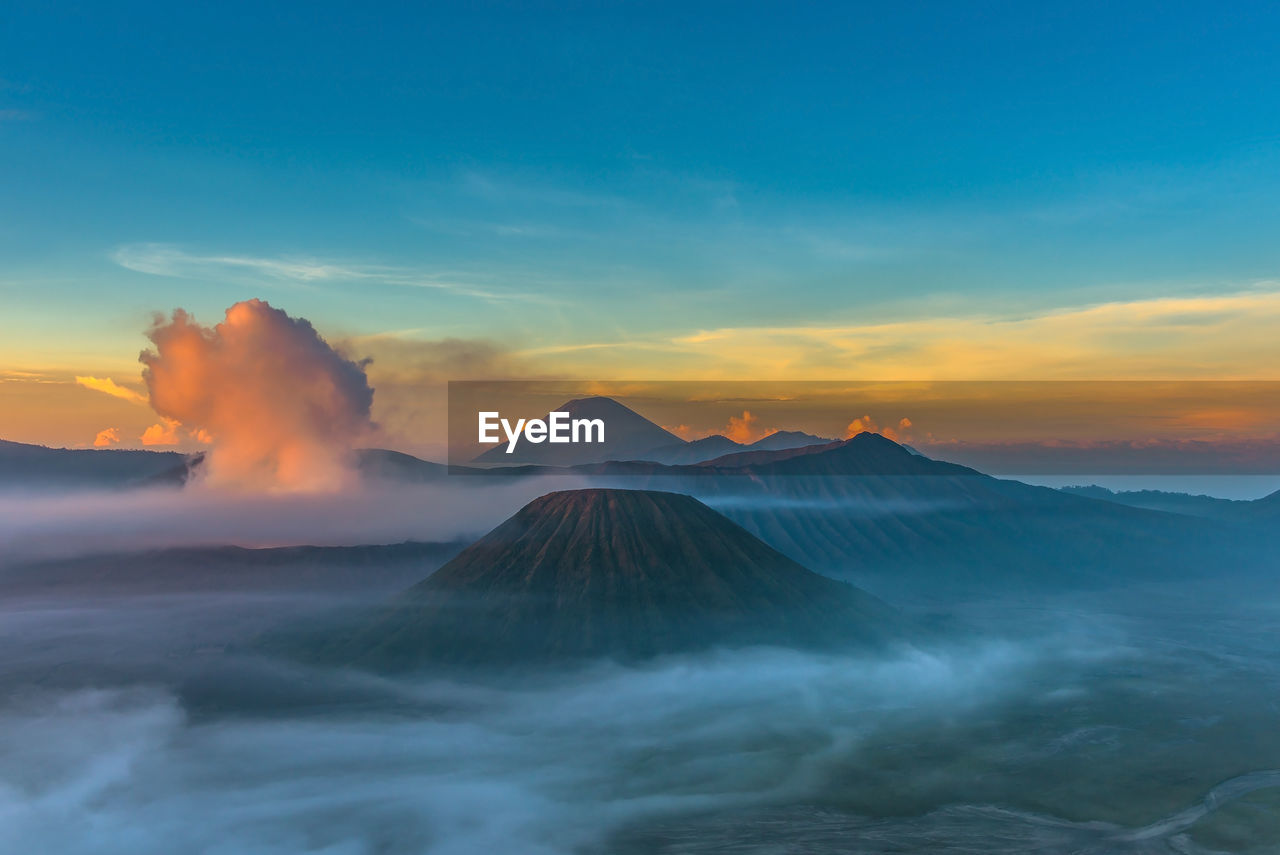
(61, 523)
(1146, 721)
(132, 725)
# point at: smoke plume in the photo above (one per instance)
(280, 406)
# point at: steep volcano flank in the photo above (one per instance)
(622, 573)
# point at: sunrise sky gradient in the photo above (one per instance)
(742, 191)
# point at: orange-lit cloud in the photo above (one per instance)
(112, 388)
(50, 408)
(744, 428)
(107, 437)
(864, 424)
(281, 407)
(1232, 420)
(1225, 336)
(164, 432)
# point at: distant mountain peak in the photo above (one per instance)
(597, 405)
(783, 439)
(693, 451)
(865, 453)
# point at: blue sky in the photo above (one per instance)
(624, 174)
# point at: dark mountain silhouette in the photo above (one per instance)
(1260, 514)
(784, 439)
(619, 573)
(37, 465)
(367, 570)
(1268, 505)
(864, 454)
(381, 463)
(694, 451)
(717, 445)
(628, 436)
(1171, 502)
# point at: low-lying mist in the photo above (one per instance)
(150, 719)
(550, 768)
(62, 524)
(1062, 730)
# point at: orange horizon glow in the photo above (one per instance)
(1163, 340)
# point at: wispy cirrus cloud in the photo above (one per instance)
(594, 345)
(1227, 335)
(158, 259)
(14, 376)
(167, 260)
(1218, 336)
(110, 387)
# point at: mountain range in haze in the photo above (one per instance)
(366, 569)
(718, 445)
(889, 518)
(1209, 507)
(864, 509)
(22, 464)
(630, 436)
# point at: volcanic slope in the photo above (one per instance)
(622, 573)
